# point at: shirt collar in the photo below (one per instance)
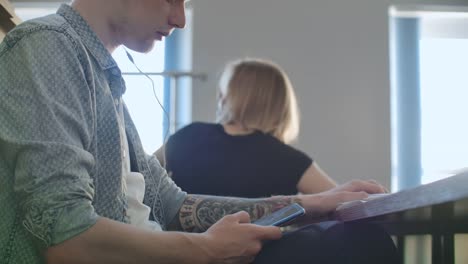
(88, 37)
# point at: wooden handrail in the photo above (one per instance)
(8, 18)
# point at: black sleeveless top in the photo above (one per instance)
(204, 159)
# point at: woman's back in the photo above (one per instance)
(204, 159)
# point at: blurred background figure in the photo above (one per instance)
(247, 152)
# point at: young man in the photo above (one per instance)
(77, 186)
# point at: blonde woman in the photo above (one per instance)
(247, 152)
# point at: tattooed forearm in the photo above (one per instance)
(198, 212)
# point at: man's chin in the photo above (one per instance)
(142, 47)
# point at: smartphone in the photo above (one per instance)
(281, 216)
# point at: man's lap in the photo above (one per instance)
(331, 242)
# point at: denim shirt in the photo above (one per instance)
(60, 148)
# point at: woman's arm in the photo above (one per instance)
(315, 180)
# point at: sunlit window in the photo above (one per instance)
(444, 106)
(141, 97)
(429, 61)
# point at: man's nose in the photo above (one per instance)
(177, 18)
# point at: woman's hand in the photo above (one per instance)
(319, 206)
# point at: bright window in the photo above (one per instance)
(141, 100)
(429, 91)
(444, 106)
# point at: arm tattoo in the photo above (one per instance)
(199, 212)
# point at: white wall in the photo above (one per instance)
(336, 53)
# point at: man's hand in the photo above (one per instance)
(320, 205)
(233, 239)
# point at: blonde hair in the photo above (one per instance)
(259, 96)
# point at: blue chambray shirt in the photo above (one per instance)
(60, 148)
